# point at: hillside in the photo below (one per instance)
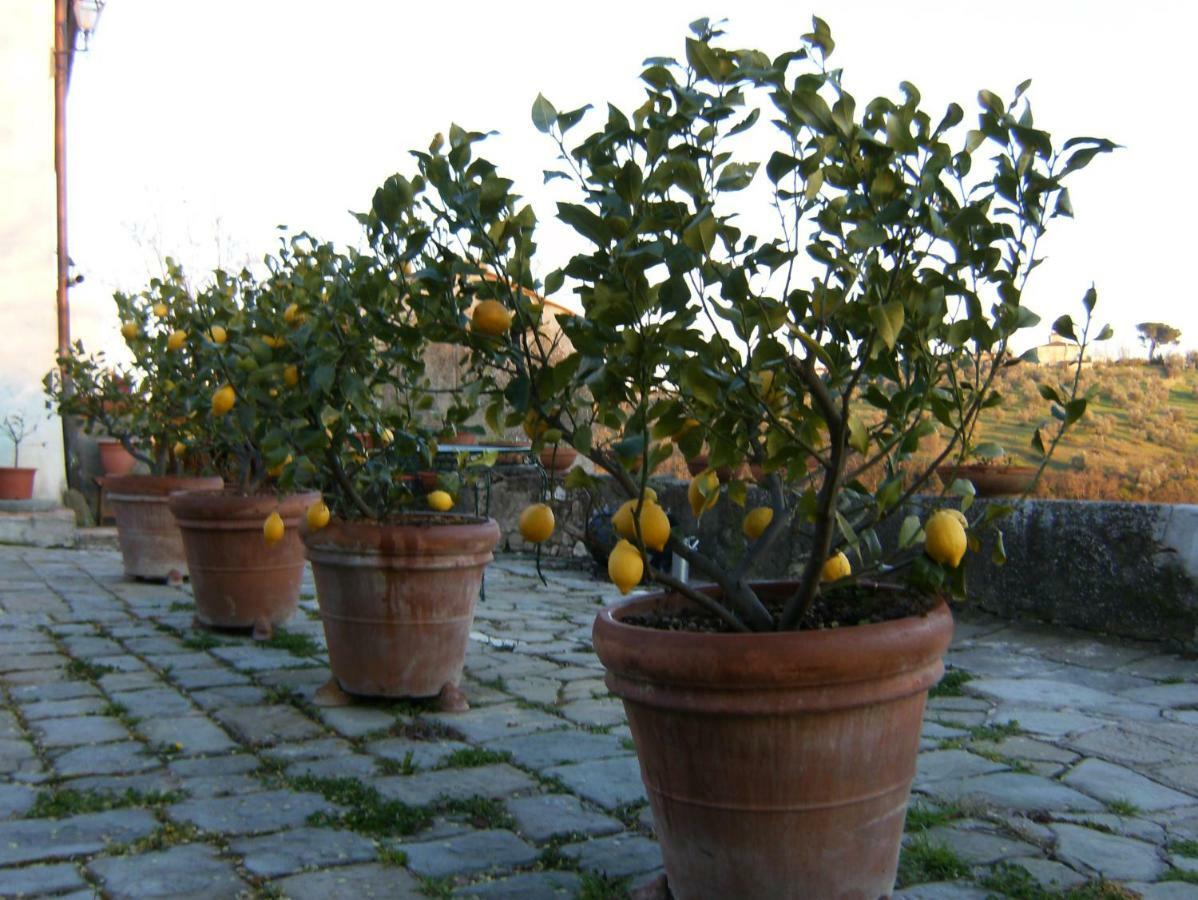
(1138, 441)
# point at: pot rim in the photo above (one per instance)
(229, 503)
(158, 485)
(458, 532)
(18, 468)
(778, 659)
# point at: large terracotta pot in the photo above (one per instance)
(114, 458)
(16, 484)
(990, 481)
(397, 600)
(151, 545)
(777, 765)
(238, 580)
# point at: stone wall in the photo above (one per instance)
(1127, 569)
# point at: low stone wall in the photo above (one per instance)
(1125, 569)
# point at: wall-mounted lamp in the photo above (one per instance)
(87, 16)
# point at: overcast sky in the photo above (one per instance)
(198, 124)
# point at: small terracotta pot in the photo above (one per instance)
(16, 484)
(465, 437)
(427, 480)
(509, 459)
(777, 764)
(238, 580)
(990, 481)
(114, 458)
(397, 599)
(558, 458)
(151, 545)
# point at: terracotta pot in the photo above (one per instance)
(114, 458)
(16, 484)
(238, 580)
(558, 458)
(151, 545)
(779, 764)
(510, 459)
(397, 600)
(468, 438)
(990, 481)
(427, 481)
(697, 465)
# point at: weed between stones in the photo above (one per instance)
(368, 811)
(925, 860)
(1184, 848)
(481, 812)
(923, 818)
(1123, 808)
(601, 887)
(87, 671)
(392, 856)
(437, 887)
(1180, 875)
(1017, 883)
(58, 803)
(294, 643)
(202, 640)
(397, 767)
(469, 758)
(950, 684)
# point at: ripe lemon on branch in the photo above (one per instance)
(317, 516)
(223, 400)
(273, 528)
(945, 539)
(625, 566)
(441, 501)
(835, 568)
(491, 317)
(655, 524)
(536, 523)
(757, 521)
(703, 492)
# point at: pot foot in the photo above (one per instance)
(174, 578)
(331, 694)
(264, 630)
(451, 699)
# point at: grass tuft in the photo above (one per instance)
(367, 811)
(601, 887)
(293, 642)
(950, 684)
(472, 757)
(923, 860)
(58, 803)
(1122, 808)
(87, 671)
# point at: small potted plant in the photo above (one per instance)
(16, 483)
(995, 474)
(776, 723)
(152, 407)
(244, 574)
(397, 571)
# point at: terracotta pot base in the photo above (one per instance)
(238, 580)
(397, 602)
(151, 545)
(777, 765)
(16, 484)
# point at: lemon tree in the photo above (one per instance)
(771, 271)
(149, 400)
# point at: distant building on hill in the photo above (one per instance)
(1058, 351)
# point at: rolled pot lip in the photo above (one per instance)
(762, 659)
(21, 469)
(979, 467)
(158, 485)
(460, 532)
(228, 503)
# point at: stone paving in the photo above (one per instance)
(142, 758)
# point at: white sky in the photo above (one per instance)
(192, 121)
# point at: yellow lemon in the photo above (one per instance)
(160, 309)
(180, 448)
(534, 426)
(386, 436)
(536, 523)
(655, 524)
(440, 501)
(625, 566)
(491, 317)
(272, 528)
(218, 334)
(958, 515)
(223, 400)
(945, 538)
(835, 568)
(317, 516)
(271, 341)
(129, 330)
(708, 483)
(757, 521)
(291, 376)
(276, 471)
(176, 340)
(290, 313)
(687, 425)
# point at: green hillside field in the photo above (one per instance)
(1138, 440)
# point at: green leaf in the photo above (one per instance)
(1105, 334)
(999, 555)
(909, 532)
(580, 478)
(1064, 327)
(543, 114)
(737, 492)
(779, 165)
(553, 282)
(736, 176)
(1074, 410)
(888, 320)
(858, 435)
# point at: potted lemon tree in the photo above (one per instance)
(340, 360)
(150, 404)
(809, 287)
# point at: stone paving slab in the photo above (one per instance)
(191, 870)
(1097, 776)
